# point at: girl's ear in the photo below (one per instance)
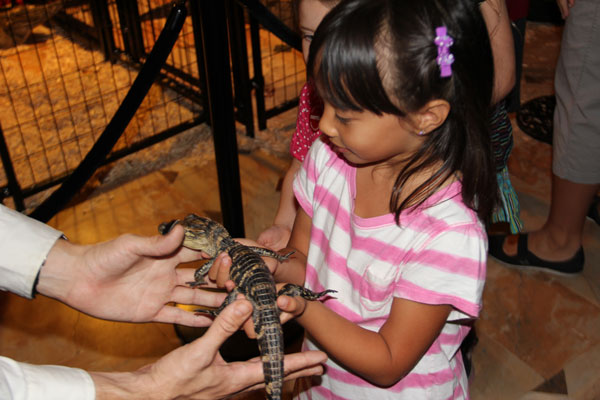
(432, 115)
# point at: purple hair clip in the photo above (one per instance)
(444, 58)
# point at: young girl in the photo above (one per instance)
(393, 198)
(392, 203)
(309, 14)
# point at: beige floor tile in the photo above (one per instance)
(544, 396)
(498, 373)
(583, 375)
(535, 317)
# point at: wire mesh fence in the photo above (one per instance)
(283, 67)
(58, 92)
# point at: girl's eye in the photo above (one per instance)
(342, 120)
(307, 37)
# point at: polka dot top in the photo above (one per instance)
(310, 109)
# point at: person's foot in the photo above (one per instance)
(530, 251)
(594, 211)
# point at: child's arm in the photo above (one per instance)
(382, 358)
(497, 22)
(392, 352)
(277, 236)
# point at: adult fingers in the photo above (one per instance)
(296, 362)
(185, 295)
(176, 315)
(225, 325)
(298, 365)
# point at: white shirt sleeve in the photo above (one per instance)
(24, 245)
(21, 381)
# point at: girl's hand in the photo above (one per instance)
(291, 307)
(275, 237)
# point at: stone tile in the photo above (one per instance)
(544, 396)
(499, 374)
(534, 316)
(555, 385)
(583, 375)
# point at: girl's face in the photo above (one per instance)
(310, 15)
(363, 137)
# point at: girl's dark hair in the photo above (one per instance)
(380, 56)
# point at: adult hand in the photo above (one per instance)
(130, 278)
(564, 6)
(197, 371)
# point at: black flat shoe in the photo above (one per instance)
(528, 260)
(536, 118)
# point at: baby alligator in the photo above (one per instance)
(252, 279)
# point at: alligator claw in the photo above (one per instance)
(196, 283)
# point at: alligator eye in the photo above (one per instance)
(166, 227)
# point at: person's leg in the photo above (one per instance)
(560, 237)
(576, 152)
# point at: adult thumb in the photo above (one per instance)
(226, 324)
(160, 245)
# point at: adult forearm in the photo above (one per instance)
(117, 386)
(60, 272)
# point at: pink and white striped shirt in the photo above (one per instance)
(437, 256)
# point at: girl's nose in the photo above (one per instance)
(326, 125)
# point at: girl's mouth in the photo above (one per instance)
(337, 148)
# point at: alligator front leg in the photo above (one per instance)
(261, 251)
(200, 274)
(296, 290)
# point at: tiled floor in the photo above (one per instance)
(539, 335)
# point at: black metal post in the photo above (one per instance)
(103, 25)
(213, 25)
(239, 61)
(13, 184)
(258, 80)
(131, 29)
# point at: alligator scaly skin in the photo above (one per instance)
(252, 279)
